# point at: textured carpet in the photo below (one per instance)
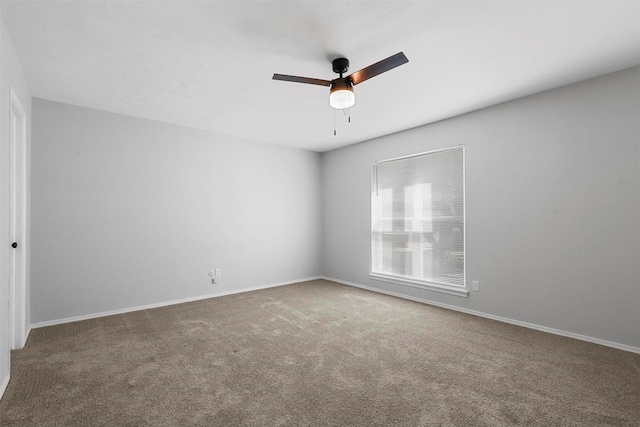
(314, 353)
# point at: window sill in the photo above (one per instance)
(447, 289)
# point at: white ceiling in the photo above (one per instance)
(208, 64)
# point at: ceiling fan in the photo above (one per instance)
(341, 94)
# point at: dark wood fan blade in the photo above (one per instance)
(297, 79)
(378, 68)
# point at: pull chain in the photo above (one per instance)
(348, 113)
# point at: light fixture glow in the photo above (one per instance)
(341, 95)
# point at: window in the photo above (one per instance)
(417, 221)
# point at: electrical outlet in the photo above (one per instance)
(218, 272)
(475, 285)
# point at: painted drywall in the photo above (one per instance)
(552, 208)
(129, 212)
(11, 76)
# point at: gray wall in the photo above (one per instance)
(552, 197)
(129, 212)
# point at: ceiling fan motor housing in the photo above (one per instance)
(340, 65)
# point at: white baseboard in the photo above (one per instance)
(3, 385)
(163, 304)
(493, 317)
(344, 282)
(26, 336)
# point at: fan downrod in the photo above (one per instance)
(340, 66)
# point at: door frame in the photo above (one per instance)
(18, 328)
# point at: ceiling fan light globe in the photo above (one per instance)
(342, 99)
(341, 94)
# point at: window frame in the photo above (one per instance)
(432, 285)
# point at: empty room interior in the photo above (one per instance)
(320, 213)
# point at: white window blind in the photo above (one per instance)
(417, 220)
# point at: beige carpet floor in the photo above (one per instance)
(318, 354)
